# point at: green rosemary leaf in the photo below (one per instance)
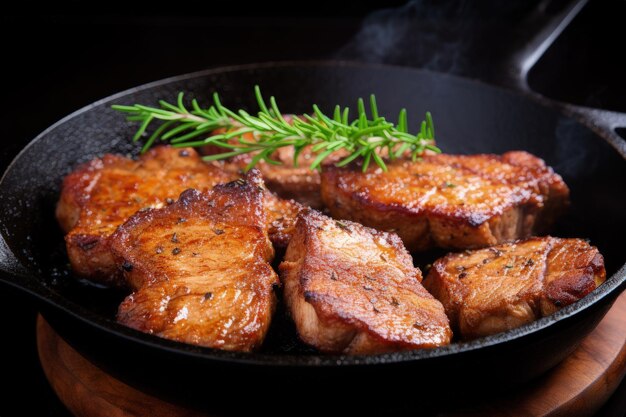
(277, 113)
(373, 107)
(401, 150)
(366, 161)
(430, 125)
(336, 145)
(368, 131)
(296, 153)
(155, 135)
(361, 107)
(320, 146)
(273, 124)
(197, 108)
(364, 137)
(208, 125)
(122, 108)
(346, 114)
(224, 155)
(139, 118)
(181, 105)
(379, 161)
(350, 158)
(316, 163)
(433, 148)
(320, 126)
(175, 131)
(165, 105)
(190, 135)
(337, 114)
(258, 157)
(321, 118)
(402, 127)
(142, 128)
(269, 160)
(154, 110)
(259, 100)
(158, 133)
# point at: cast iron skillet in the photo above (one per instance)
(470, 117)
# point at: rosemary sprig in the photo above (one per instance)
(368, 138)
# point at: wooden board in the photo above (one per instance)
(578, 386)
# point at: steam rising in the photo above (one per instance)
(475, 40)
(460, 37)
(576, 153)
(417, 34)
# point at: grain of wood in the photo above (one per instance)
(576, 387)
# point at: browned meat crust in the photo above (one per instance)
(281, 218)
(299, 183)
(200, 268)
(450, 201)
(100, 195)
(354, 290)
(495, 289)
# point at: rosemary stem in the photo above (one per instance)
(365, 138)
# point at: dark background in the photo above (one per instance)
(58, 60)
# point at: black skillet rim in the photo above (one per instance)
(101, 323)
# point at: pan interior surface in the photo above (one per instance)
(469, 118)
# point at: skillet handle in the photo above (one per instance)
(605, 123)
(520, 61)
(515, 75)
